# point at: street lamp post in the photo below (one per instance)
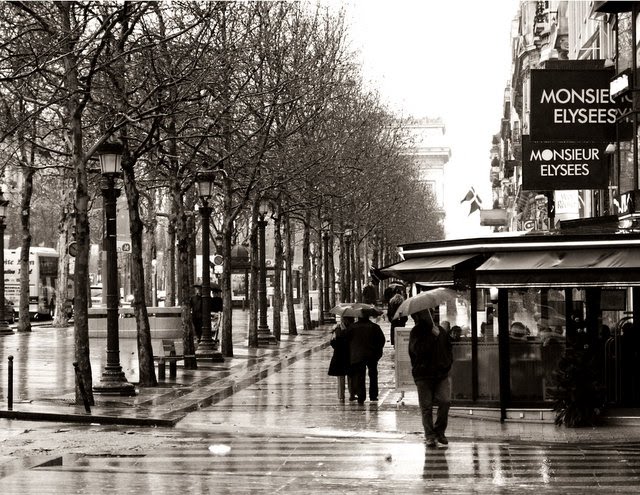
(207, 347)
(327, 316)
(264, 334)
(4, 326)
(113, 381)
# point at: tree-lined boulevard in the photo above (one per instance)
(268, 96)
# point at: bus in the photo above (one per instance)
(43, 278)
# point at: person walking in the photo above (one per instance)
(340, 364)
(366, 341)
(394, 303)
(216, 309)
(196, 312)
(431, 354)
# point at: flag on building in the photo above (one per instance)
(475, 201)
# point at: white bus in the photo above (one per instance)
(43, 277)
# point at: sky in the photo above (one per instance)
(449, 59)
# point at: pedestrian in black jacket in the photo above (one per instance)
(366, 341)
(340, 361)
(431, 355)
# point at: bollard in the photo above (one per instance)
(83, 392)
(10, 385)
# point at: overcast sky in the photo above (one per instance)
(448, 59)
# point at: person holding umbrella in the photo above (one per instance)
(431, 354)
(366, 341)
(340, 363)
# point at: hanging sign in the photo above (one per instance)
(572, 105)
(552, 165)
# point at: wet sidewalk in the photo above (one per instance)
(43, 376)
(256, 386)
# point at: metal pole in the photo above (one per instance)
(264, 333)
(113, 381)
(10, 385)
(207, 347)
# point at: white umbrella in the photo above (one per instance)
(355, 310)
(425, 300)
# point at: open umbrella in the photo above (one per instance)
(340, 308)
(425, 300)
(355, 310)
(395, 285)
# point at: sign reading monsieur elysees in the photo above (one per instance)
(573, 117)
(556, 165)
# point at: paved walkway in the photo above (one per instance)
(44, 384)
(44, 376)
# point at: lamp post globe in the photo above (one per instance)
(112, 381)
(207, 347)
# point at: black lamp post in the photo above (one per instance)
(113, 381)
(207, 347)
(4, 326)
(327, 316)
(264, 334)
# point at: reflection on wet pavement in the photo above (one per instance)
(237, 463)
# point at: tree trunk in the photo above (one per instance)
(332, 269)
(357, 268)
(62, 295)
(306, 312)
(74, 112)
(343, 269)
(254, 305)
(289, 260)
(319, 273)
(277, 273)
(24, 323)
(226, 346)
(182, 236)
(170, 260)
(145, 349)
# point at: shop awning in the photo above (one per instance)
(434, 270)
(561, 268)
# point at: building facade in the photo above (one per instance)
(558, 289)
(428, 147)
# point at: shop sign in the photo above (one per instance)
(493, 218)
(572, 105)
(552, 166)
(629, 203)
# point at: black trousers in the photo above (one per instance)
(358, 375)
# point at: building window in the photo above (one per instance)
(625, 41)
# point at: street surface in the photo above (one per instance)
(289, 433)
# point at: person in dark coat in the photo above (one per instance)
(431, 354)
(340, 364)
(196, 312)
(394, 304)
(369, 294)
(216, 309)
(366, 341)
